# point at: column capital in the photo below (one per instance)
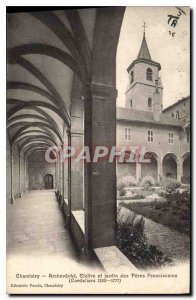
(74, 132)
(68, 131)
(102, 91)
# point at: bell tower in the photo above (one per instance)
(143, 80)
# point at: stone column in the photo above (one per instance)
(59, 174)
(63, 181)
(179, 170)
(138, 170)
(100, 177)
(24, 175)
(19, 165)
(77, 141)
(69, 178)
(56, 176)
(11, 162)
(62, 173)
(65, 171)
(160, 170)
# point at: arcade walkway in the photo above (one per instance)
(35, 226)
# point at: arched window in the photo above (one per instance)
(172, 115)
(131, 103)
(177, 115)
(149, 103)
(149, 74)
(131, 79)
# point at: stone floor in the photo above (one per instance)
(35, 226)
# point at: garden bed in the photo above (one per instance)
(138, 194)
(133, 242)
(173, 213)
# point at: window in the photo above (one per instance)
(127, 134)
(131, 103)
(171, 137)
(131, 79)
(177, 115)
(149, 103)
(150, 136)
(188, 136)
(149, 74)
(172, 115)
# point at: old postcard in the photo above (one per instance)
(98, 150)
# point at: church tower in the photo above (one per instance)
(145, 90)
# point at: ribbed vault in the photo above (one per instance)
(40, 73)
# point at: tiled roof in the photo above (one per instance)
(134, 115)
(176, 103)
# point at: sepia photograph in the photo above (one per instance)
(98, 150)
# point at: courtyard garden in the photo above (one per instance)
(145, 202)
(133, 242)
(167, 203)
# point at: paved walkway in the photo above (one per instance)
(35, 226)
(173, 243)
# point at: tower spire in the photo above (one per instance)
(144, 52)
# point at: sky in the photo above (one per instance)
(173, 53)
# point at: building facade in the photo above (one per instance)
(164, 134)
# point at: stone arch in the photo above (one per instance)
(49, 51)
(48, 181)
(186, 169)
(126, 168)
(151, 168)
(170, 165)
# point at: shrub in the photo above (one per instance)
(157, 204)
(132, 241)
(161, 193)
(129, 181)
(185, 179)
(147, 181)
(120, 184)
(170, 184)
(137, 196)
(160, 204)
(148, 188)
(122, 192)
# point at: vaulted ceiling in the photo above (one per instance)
(45, 51)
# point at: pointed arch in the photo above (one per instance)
(48, 50)
(20, 104)
(38, 74)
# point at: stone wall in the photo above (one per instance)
(8, 170)
(38, 167)
(15, 152)
(125, 169)
(20, 180)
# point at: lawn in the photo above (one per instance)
(173, 213)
